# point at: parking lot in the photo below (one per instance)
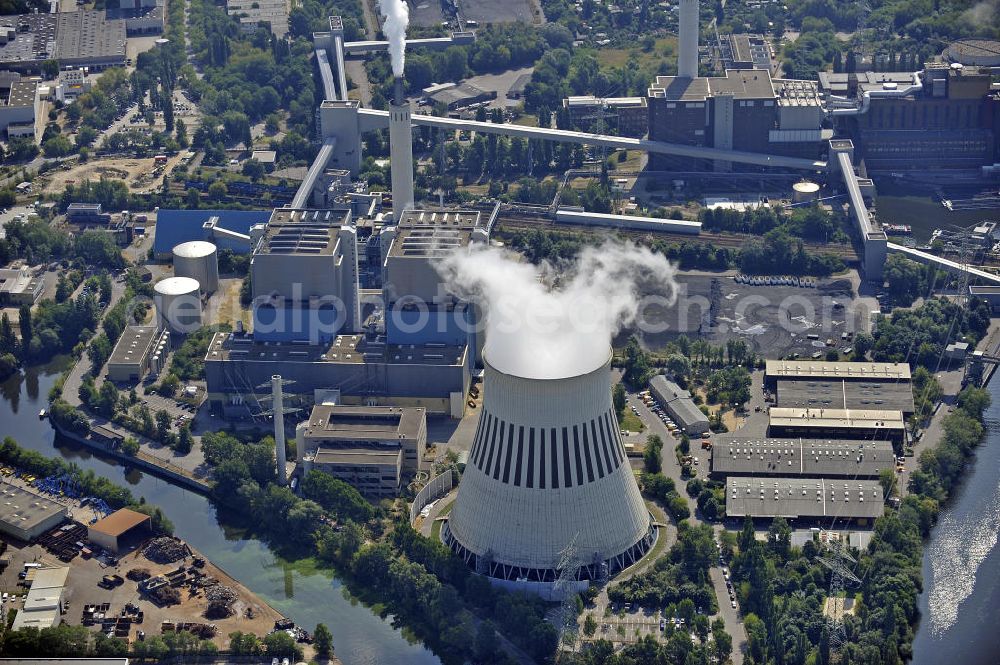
(773, 318)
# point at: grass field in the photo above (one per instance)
(631, 422)
(665, 49)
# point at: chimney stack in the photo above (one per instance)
(400, 152)
(687, 39)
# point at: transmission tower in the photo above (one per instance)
(278, 410)
(564, 588)
(841, 576)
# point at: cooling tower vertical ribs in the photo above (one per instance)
(541, 458)
(597, 447)
(530, 474)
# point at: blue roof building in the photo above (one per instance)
(176, 226)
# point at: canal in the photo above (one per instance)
(308, 597)
(961, 599)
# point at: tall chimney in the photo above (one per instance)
(277, 402)
(400, 152)
(687, 39)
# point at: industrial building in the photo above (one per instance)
(86, 213)
(804, 498)
(941, 117)
(342, 426)
(743, 110)
(678, 403)
(304, 277)
(178, 305)
(364, 368)
(226, 229)
(456, 96)
(817, 384)
(18, 98)
(120, 529)
(141, 17)
(819, 458)
(44, 603)
(836, 423)
(252, 14)
(139, 350)
(745, 51)
(25, 515)
(548, 470)
(79, 38)
(626, 116)
(18, 286)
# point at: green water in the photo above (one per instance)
(920, 210)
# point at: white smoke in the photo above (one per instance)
(982, 13)
(397, 17)
(548, 322)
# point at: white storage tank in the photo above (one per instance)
(178, 304)
(198, 260)
(804, 191)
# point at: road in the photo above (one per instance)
(672, 470)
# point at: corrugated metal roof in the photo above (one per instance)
(174, 227)
(803, 497)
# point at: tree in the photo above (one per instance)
(487, 642)
(217, 190)
(863, 343)
(887, 479)
(185, 441)
(192, 198)
(652, 454)
(618, 396)
(253, 169)
(24, 322)
(282, 645)
(323, 641)
(130, 446)
(589, 626)
(162, 425)
(50, 68)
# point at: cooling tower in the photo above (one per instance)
(548, 470)
(400, 153)
(687, 39)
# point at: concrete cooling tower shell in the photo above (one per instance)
(548, 468)
(198, 260)
(178, 304)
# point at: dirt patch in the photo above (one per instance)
(140, 174)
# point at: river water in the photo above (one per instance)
(308, 597)
(960, 605)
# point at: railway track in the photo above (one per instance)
(508, 222)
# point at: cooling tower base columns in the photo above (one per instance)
(548, 485)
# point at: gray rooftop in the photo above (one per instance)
(70, 37)
(428, 233)
(846, 394)
(800, 457)
(678, 401)
(22, 93)
(803, 497)
(345, 349)
(358, 423)
(25, 509)
(842, 418)
(133, 345)
(740, 83)
(359, 456)
(774, 369)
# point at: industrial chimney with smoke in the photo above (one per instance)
(401, 152)
(548, 475)
(687, 39)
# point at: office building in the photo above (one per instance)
(18, 286)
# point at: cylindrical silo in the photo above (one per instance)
(547, 474)
(198, 260)
(178, 304)
(804, 191)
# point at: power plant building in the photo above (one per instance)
(804, 498)
(548, 470)
(304, 275)
(743, 110)
(820, 458)
(371, 448)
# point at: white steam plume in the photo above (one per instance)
(549, 322)
(397, 17)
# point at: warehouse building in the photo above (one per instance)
(226, 229)
(25, 515)
(836, 423)
(456, 96)
(139, 350)
(19, 287)
(120, 529)
(804, 498)
(17, 105)
(376, 428)
(840, 385)
(818, 458)
(678, 403)
(79, 39)
(44, 603)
